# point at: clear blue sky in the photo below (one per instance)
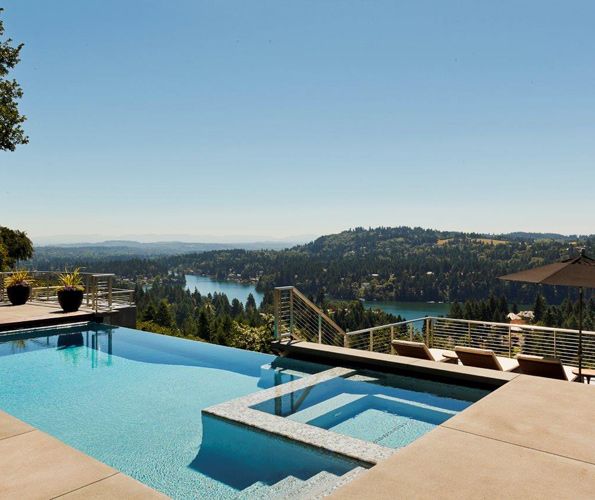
(251, 119)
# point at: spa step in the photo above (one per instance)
(255, 490)
(320, 487)
(285, 487)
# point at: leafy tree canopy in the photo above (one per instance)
(11, 132)
(15, 245)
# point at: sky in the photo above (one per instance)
(234, 120)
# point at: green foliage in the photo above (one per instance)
(72, 280)
(403, 264)
(20, 277)
(353, 315)
(492, 309)
(253, 338)
(14, 246)
(539, 308)
(164, 316)
(11, 131)
(564, 315)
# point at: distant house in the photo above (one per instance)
(515, 319)
(527, 315)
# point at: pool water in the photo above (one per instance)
(133, 400)
(389, 410)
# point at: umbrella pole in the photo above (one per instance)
(580, 335)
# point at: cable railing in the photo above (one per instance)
(99, 293)
(298, 318)
(379, 338)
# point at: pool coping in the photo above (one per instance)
(240, 411)
(396, 364)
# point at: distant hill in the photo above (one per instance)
(122, 248)
(541, 236)
(399, 263)
(383, 263)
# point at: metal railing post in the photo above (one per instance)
(392, 337)
(319, 329)
(510, 342)
(276, 311)
(555, 346)
(109, 292)
(291, 312)
(371, 340)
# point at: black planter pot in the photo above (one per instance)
(18, 294)
(70, 300)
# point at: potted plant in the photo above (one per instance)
(70, 295)
(18, 287)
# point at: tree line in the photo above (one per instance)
(496, 309)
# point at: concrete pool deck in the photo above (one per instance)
(34, 315)
(531, 438)
(35, 465)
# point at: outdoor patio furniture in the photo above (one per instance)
(419, 350)
(485, 358)
(544, 367)
(587, 373)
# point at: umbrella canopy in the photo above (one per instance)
(577, 272)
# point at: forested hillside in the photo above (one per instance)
(401, 263)
(406, 264)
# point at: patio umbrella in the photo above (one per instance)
(578, 272)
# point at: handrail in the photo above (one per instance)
(493, 323)
(297, 318)
(99, 292)
(388, 325)
(318, 310)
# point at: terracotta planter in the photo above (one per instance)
(18, 294)
(70, 299)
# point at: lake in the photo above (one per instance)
(240, 291)
(232, 289)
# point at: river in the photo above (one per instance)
(240, 291)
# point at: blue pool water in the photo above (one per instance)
(133, 400)
(389, 410)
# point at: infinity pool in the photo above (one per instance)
(133, 400)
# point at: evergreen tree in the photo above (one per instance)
(251, 303)
(237, 309)
(203, 328)
(456, 311)
(539, 308)
(150, 312)
(163, 316)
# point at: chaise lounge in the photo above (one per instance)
(419, 350)
(545, 367)
(485, 358)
